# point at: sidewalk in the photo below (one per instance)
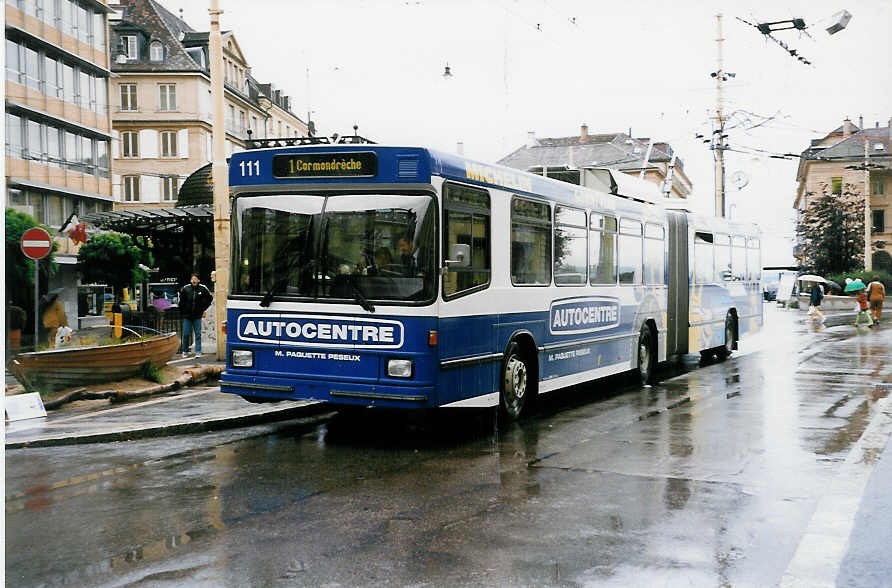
(187, 410)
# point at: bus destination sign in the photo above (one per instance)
(326, 165)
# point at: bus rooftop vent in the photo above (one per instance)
(407, 167)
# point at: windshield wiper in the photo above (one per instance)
(360, 297)
(268, 297)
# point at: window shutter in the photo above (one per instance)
(116, 142)
(116, 187)
(148, 144)
(183, 143)
(150, 188)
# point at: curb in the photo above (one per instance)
(179, 427)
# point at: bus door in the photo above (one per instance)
(677, 337)
(468, 325)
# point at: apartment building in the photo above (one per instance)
(161, 103)
(838, 159)
(58, 124)
(563, 157)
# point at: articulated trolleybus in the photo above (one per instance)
(408, 278)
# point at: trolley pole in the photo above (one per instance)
(868, 261)
(719, 132)
(220, 175)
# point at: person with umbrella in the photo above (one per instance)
(814, 303)
(863, 317)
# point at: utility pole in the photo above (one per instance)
(220, 175)
(868, 262)
(718, 137)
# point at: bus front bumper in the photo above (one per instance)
(361, 394)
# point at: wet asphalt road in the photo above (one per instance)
(710, 478)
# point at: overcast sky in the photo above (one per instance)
(549, 65)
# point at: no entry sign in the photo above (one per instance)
(36, 243)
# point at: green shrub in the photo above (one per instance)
(150, 372)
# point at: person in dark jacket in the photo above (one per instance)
(195, 298)
(814, 308)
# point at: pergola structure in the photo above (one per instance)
(182, 237)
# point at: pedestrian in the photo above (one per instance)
(195, 298)
(817, 294)
(863, 317)
(876, 294)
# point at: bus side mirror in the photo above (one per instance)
(459, 256)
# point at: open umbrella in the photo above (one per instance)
(832, 285)
(855, 286)
(811, 278)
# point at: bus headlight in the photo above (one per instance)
(400, 368)
(241, 358)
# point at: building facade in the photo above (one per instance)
(58, 124)
(58, 121)
(563, 158)
(836, 163)
(161, 104)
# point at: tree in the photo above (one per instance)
(113, 259)
(831, 231)
(20, 269)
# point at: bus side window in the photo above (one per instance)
(602, 253)
(570, 247)
(703, 260)
(654, 254)
(630, 256)
(530, 242)
(738, 257)
(753, 259)
(723, 257)
(466, 220)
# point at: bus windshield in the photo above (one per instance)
(357, 247)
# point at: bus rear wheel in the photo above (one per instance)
(724, 352)
(516, 382)
(645, 356)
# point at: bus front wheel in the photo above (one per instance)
(645, 356)
(516, 384)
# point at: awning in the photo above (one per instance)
(152, 219)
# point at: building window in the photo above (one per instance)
(129, 47)
(879, 221)
(168, 188)
(131, 188)
(877, 187)
(168, 143)
(129, 144)
(156, 51)
(167, 98)
(836, 186)
(14, 136)
(128, 97)
(13, 62)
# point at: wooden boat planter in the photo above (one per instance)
(79, 366)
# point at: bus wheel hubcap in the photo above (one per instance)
(516, 377)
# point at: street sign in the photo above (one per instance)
(36, 243)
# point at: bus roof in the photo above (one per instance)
(394, 165)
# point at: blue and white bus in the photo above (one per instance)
(409, 278)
